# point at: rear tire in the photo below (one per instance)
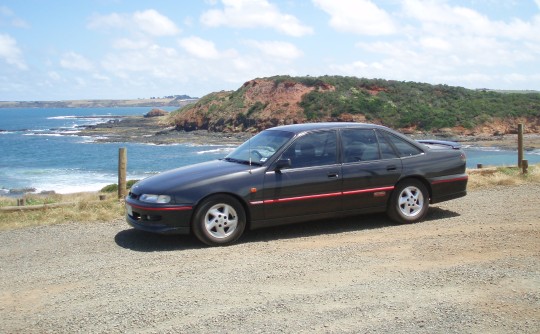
(409, 202)
(219, 220)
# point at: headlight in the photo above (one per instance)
(149, 198)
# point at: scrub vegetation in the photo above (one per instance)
(266, 102)
(87, 208)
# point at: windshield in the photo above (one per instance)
(260, 148)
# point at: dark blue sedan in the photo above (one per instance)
(297, 173)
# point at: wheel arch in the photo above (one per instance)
(419, 178)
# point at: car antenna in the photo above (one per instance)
(249, 147)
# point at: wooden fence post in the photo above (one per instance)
(122, 171)
(520, 144)
(525, 166)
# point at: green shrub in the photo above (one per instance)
(111, 188)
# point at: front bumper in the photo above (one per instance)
(159, 218)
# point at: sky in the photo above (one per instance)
(128, 49)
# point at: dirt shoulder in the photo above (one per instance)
(471, 267)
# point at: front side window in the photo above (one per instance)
(313, 149)
(359, 145)
(260, 148)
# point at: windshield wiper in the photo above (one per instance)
(243, 162)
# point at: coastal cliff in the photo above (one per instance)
(408, 106)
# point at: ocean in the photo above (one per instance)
(39, 149)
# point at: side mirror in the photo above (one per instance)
(283, 164)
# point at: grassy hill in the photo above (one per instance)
(410, 106)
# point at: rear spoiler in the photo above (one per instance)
(454, 145)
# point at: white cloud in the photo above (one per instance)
(8, 15)
(75, 61)
(439, 42)
(154, 61)
(54, 75)
(10, 52)
(125, 43)
(149, 22)
(361, 17)
(435, 43)
(199, 47)
(106, 22)
(153, 23)
(440, 18)
(254, 13)
(277, 49)
(101, 77)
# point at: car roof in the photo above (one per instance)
(298, 128)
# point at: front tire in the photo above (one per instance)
(409, 202)
(219, 220)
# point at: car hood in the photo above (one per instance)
(189, 176)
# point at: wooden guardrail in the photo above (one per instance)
(35, 207)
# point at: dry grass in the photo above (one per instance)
(86, 207)
(502, 176)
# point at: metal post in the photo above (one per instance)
(520, 144)
(122, 168)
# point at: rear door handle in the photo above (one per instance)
(333, 175)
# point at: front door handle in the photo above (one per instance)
(391, 168)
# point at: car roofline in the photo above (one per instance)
(299, 128)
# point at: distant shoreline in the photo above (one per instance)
(150, 103)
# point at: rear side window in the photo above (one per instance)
(387, 151)
(404, 148)
(359, 145)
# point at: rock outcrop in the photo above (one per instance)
(156, 113)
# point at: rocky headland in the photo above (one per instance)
(473, 117)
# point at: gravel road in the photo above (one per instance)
(472, 267)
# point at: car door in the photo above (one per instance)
(312, 184)
(371, 168)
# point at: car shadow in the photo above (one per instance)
(335, 226)
(148, 242)
(141, 241)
